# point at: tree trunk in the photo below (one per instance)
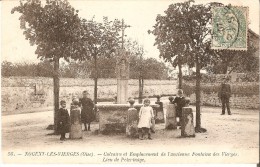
(141, 81)
(197, 92)
(140, 91)
(141, 87)
(225, 68)
(95, 79)
(56, 90)
(180, 76)
(198, 127)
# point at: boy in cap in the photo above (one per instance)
(64, 120)
(179, 102)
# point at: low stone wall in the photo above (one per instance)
(236, 101)
(244, 95)
(22, 93)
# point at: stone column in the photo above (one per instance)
(170, 122)
(187, 125)
(132, 121)
(75, 119)
(159, 112)
(122, 91)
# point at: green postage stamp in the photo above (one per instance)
(229, 29)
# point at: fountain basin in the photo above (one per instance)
(113, 117)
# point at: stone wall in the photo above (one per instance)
(244, 95)
(23, 93)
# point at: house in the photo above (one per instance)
(254, 40)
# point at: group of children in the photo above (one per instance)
(85, 104)
(146, 115)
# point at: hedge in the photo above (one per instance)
(241, 77)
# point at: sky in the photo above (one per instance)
(139, 14)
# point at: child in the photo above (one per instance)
(64, 120)
(145, 117)
(87, 112)
(180, 102)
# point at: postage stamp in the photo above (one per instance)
(229, 29)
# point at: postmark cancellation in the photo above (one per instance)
(229, 27)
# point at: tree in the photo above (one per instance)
(227, 61)
(55, 28)
(185, 32)
(102, 40)
(7, 69)
(137, 52)
(169, 39)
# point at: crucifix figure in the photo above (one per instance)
(123, 32)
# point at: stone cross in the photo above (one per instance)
(122, 73)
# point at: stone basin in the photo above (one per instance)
(113, 117)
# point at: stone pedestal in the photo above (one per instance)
(132, 122)
(170, 122)
(122, 91)
(75, 128)
(159, 113)
(187, 126)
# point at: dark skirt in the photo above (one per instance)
(87, 115)
(179, 112)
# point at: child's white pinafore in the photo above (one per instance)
(145, 117)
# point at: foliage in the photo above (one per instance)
(42, 69)
(184, 32)
(101, 39)
(54, 27)
(153, 69)
(227, 61)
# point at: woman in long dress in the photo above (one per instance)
(87, 111)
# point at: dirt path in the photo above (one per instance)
(237, 134)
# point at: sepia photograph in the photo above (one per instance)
(130, 82)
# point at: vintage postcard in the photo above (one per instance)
(130, 82)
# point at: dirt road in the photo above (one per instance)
(229, 139)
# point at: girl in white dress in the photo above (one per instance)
(145, 120)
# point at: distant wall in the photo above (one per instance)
(21, 93)
(244, 94)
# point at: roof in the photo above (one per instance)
(252, 32)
